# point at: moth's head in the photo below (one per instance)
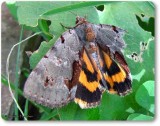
(80, 20)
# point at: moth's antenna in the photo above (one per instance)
(74, 13)
(7, 72)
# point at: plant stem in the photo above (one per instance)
(17, 74)
(26, 109)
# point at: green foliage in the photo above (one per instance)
(145, 96)
(137, 106)
(138, 117)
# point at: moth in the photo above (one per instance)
(84, 62)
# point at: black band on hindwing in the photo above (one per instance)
(90, 76)
(84, 94)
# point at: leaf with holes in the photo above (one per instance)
(123, 14)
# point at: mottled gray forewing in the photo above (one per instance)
(110, 36)
(46, 83)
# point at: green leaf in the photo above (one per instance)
(87, 114)
(43, 25)
(72, 111)
(29, 13)
(145, 96)
(77, 5)
(13, 10)
(113, 107)
(146, 22)
(139, 117)
(67, 112)
(139, 75)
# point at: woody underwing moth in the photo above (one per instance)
(84, 62)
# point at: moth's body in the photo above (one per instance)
(83, 63)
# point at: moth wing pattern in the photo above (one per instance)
(116, 72)
(84, 62)
(111, 43)
(46, 84)
(110, 36)
(88, 94)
